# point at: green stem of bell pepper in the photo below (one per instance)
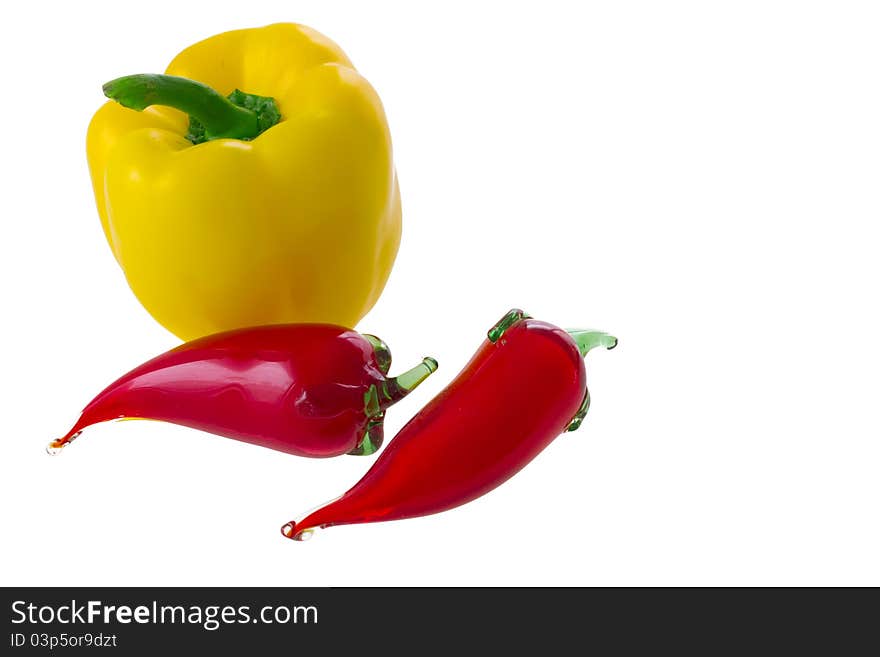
(240, 116)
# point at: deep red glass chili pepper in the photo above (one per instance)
(306, 389)
(525, 385)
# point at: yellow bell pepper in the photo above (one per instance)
(277, 204)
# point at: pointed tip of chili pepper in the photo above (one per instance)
(289, 531)
(57, 445)
(54, 448)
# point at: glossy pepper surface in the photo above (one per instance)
(278, 204)
(307, 389)
(524, 386)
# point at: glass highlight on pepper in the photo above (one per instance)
(307, 389)
(253, 183)
(525, 385)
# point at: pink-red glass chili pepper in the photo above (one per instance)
(307, 389)
(525, 385)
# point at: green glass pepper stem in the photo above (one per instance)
(400, 386)
(587, 339)
(221, 118)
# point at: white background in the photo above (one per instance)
(699, 178)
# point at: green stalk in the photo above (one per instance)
(400, 386)
(587, 339)
(241, 116)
